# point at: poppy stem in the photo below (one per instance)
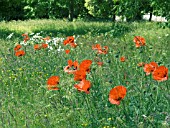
(90, 113)
(125, 112)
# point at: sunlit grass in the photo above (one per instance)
(26, 102)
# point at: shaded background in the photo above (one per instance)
(132, 10)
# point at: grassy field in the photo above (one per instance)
(26, 102)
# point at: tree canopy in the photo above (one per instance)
(104, 9)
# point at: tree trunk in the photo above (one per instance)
(113, 17)
(150, 16)
(71, 10)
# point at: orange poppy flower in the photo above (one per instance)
(70, 41)
(74, 65)
(117, 94)
(65, 42)
(52, 83)
(26, 37)
(160, 73)
(73, 45)
(104, 50)
(17, 47)
(99, 63)
(149, 68)
(44, 45)
(79, 75)
(85, 65)
(84, 86)
(37, 47)
(139, 41)
(20, 53)
(70, 63)
(122, 59)
(96, 47)
(46, 38)
(67, 51)
(141, 64)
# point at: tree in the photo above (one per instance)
(11, 10)
(102, 8)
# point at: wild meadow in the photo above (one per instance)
(84, 74)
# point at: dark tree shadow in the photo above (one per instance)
(116, 29)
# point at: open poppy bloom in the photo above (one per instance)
(70, 41)
(52, 83)
(67, 51)
(20, 53)
(43, 45)
(79, 75)
(37, 47)
(96, 47)
(117, 94)
(85, 65)
(160, 73)
(26, 37)
(73, 45)
(139, 41)
(84, 86)
(122, 59)
(17, 47)
(99, 48)
(72, 66)
(104, 50)
(149, 68)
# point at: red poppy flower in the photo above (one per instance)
(85, 65)
(122, 59)
(74, 65)
(84, 86)
(139, 41)
(46, 38)
(65, 42)
(44, 45)
(73, 45)
(99, 63)
(99, 49)
(20, 53)
(96, 47)
(79, 75)
(26, 37)
(117, 94)
(160, 73)
(149, 68)
(17, 47)
(70, 41)
(105, 49)
(67, 51)
(37, 47)
(52, 83)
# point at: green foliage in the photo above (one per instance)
(100, 8)
(11, 9)
(161, 8)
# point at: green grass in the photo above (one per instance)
(26, 102)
